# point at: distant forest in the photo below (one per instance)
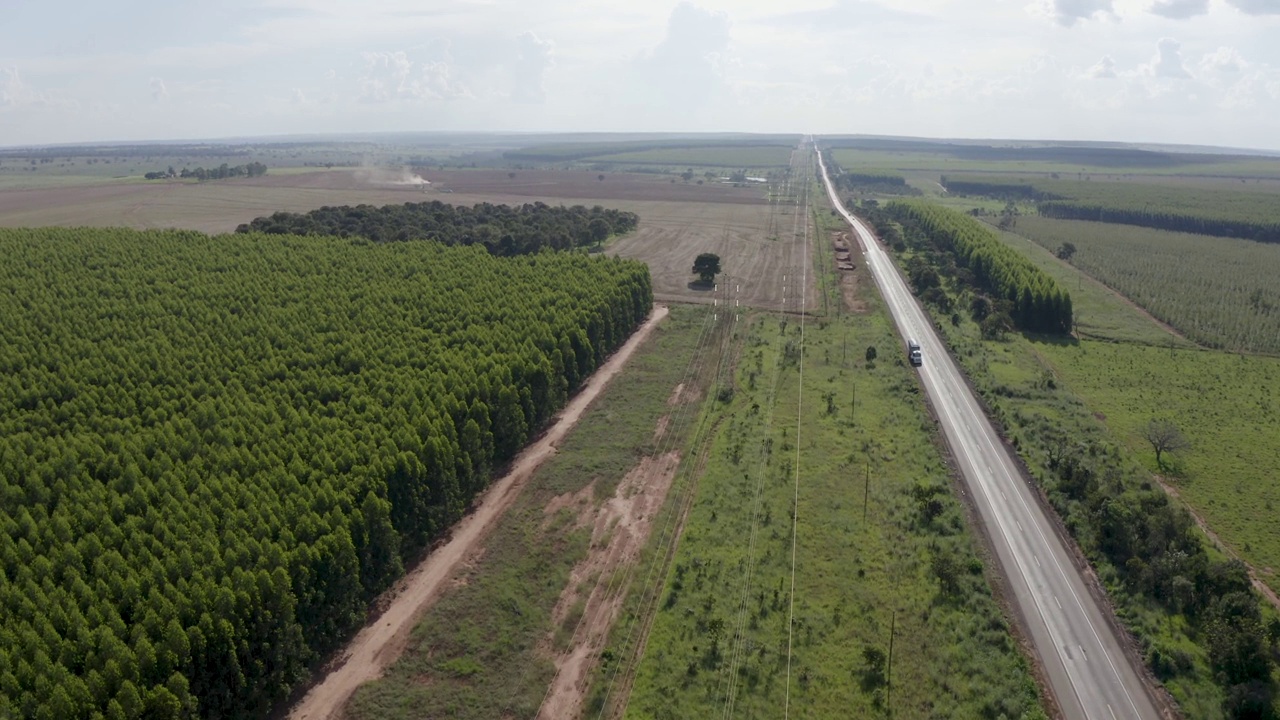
(502, 229)
(222, 172)
(874, 181)
(1081, 154)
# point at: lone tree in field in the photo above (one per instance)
(706, 266)
(1165, 437)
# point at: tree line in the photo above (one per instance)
(222, 172)
(1003, 189)
(1217, 212)
(869, 181)
(501, 229)
(1162, 219)
(214, 451)
(1035, 301)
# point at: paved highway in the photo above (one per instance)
(1089, 673)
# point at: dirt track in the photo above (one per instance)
(619, 531)
(382, 641)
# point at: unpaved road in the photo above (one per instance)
(1082, 654)
(381, 642)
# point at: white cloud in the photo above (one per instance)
(850, 14)
(1256, 7)
(1223, 60)
(686, 67)
(1103, 69)
(1068, 12)
(391, 76)
(534, 57)
(13, 91)
(1180, 9)
(834, 66)
(1167, 62)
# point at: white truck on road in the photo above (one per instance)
(913, 353)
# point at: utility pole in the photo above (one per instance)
(866, 492)
(888, 696)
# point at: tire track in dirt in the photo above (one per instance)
(619, 532)
(382, 641)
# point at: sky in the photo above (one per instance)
(1164, 71)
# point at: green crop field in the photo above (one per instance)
(1098, 313)
(947, 162)
(1220, 292)
(1242, 203)
(722, 157)
(1223, 212)
(720, 637)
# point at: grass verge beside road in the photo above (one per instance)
(909, 568)
(1067, 403)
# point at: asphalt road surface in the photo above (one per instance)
(1090, 674)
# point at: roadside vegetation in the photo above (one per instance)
(1009, 290)
(487, 648)
(892, 611)
(215, 451)
(1198, 622)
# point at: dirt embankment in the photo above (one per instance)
(382, 641)
(619, 531)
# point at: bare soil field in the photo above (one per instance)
(586, 184)
(221, 206)
(677, 221)
(758, 264)
(210, 207)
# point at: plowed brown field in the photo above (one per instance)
(755, 237)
